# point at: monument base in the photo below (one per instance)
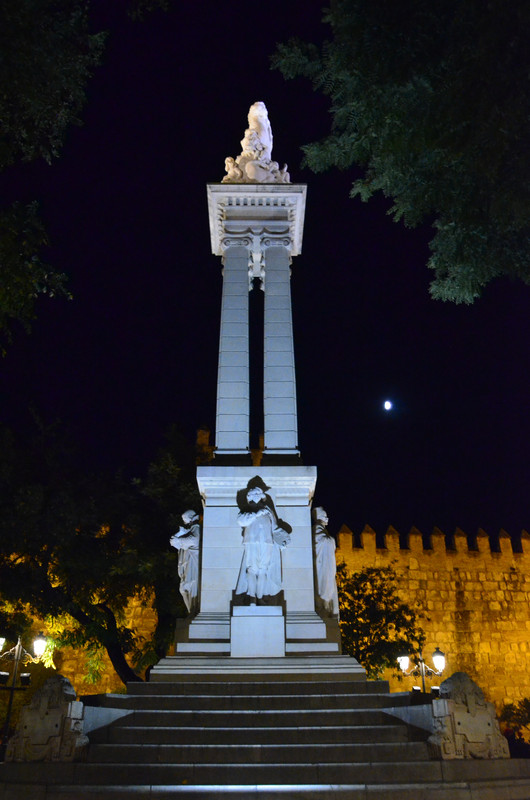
(257, 631)
(177, 669)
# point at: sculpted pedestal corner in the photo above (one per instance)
(465, 724)
(50, 727)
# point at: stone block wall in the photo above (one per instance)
(475, 596)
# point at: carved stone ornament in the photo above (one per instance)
(257, 240)
(50, 727)
(464, 724)
(254, 165)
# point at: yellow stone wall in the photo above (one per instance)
(476, 601)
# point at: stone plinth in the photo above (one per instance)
(257, 631)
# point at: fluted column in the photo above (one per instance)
(232, 419)
(279, 383)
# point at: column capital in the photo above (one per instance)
(241, 214)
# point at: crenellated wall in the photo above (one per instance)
(475, 594)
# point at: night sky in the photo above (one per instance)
(136, 349)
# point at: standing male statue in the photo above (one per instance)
(186, 540)
(326, 567)
(263, 539)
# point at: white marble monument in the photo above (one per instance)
(258, 588)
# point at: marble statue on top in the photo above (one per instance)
(325, 564)
(464, 724)
(187, 540)
(255, 164)
(50, 727)
(264, 537)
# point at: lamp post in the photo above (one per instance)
(17, 655)
(420, 667)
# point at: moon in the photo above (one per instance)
(388, 405)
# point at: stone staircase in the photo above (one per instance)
(270, 739)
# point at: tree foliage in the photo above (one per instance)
(139, 8)
(376, 626)
(47, 55)
(76, 548)
(431, 100)
(516, 719)
(24, 275)
(517, 716)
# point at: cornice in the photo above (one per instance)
(273, 212)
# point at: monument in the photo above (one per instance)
(258, 585)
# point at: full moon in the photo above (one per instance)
(387, 405)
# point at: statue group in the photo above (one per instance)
(255, 164)
(264, 536)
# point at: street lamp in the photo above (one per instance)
(420, 667)
(18, 655)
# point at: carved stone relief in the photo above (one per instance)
(50, 727)
(465, 725)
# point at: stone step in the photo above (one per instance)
(288, 688)
(225, 668)
(226, 702)
(310, 647)
(88, 774)
(475, 773)
(243, 754)
(198, 647)
(513, 789)
(130, 734)
(262, 718)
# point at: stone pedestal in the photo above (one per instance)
(304, 632)
(257, 632)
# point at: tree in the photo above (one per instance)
(516, 719)
(24, 276)
(46, 56)
(517, 715)
(376, 626)
(77, 548)
(431, 100)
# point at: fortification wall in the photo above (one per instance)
(475, 595)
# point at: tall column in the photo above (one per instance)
(257, 229)
(279, 384)
(233, 395)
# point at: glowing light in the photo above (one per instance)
(39, 645)
(388, 405)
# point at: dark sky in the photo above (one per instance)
(136, 349)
